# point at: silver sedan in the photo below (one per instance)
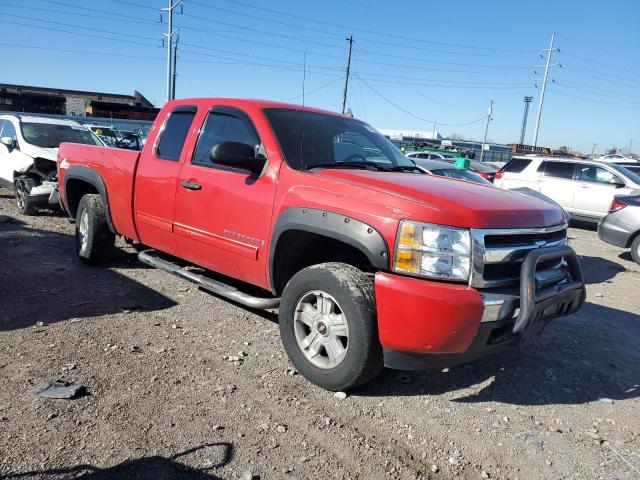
(621, 226)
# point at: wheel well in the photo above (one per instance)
(632, 238)
(298, 249)
(74, 190)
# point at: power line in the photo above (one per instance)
(391, 102)
(310, 92)
(594, 100)
(373, 32)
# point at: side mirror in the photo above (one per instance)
(8, 142)
(619, 184)
(237, 155)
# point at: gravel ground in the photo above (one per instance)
(162, 402)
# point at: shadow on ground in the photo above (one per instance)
(41, 279)
(146, 468)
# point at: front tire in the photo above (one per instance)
(24, 204)
(635, 249)
(95, 242)
(329, 328)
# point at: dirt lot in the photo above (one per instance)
(163, 402)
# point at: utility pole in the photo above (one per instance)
(169, 36)
(527, 101)
(346, 79)
(594, 147)
(433, 135)
(175, 64)
(544, 86)
(629, 150)
(486, 129)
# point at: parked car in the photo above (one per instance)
(482, 169)
(447, 169)
(617, 158)
(28, 152)
(631, 166)
(369, 261)
(584, 188)
(621, 226)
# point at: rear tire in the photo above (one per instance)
(329, 328)
(95, 242)
(23, 187)
(635, 249)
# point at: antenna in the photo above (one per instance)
(304, 79)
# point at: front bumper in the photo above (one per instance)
(425, 324)
(46, 193)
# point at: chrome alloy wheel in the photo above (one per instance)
(83, 229)
(321, 329)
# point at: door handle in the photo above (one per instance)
(191, 185)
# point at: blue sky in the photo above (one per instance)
(413, 61)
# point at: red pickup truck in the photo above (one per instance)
(371, 262)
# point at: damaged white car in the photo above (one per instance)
(28, 153)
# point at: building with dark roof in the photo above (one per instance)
(25, 98)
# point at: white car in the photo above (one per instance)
(583, 188)
(616, 158)
(28, 153)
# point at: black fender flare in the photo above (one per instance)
(340, 227)
(94, 179)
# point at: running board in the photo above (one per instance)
(147, 257)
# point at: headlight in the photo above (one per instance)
(433, 251)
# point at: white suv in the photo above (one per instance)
(28, 153)
(584, 188)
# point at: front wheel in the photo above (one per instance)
(94, 240)
(23, 187)
(635, 249)
(329, 327)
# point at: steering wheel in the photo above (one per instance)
(133, 139)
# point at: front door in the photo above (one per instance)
(223, 215)
(156, 181)
(596, 189)
(6, 164)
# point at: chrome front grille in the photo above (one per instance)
(498, 254)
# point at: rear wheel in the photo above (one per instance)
(328, 326)
(95, 242)
(635, 249)
(23, 187)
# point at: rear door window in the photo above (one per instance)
(175, 133)
(563, 170)
(8, 130)
(516, 165)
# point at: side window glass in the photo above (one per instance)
(1, 126)
(174, 135)
(563, 170)
(8, 130)
(592, 173)
(223, 126)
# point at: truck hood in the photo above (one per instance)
(465, 204)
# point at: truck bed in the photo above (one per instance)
(116, 167)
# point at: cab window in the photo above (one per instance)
(175, 133)
(224, 125)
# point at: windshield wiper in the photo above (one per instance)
(361, 165)
(405, 168)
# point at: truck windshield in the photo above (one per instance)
(316, 140)
(48, 135)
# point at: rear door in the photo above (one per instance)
(156, 180)
(596, 188)
(557, 182)
(223, 214)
